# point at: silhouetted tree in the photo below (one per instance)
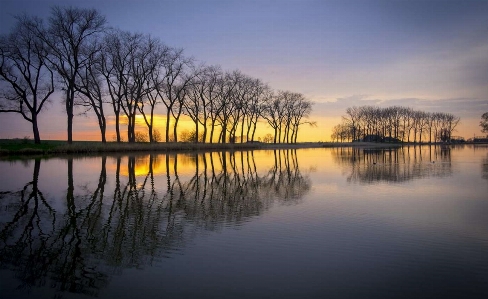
(90, 87)
(26, 78)
(402, 123)
(484, 122)
(69, 36)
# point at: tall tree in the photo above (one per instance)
(141, 65)
(118, 47)
(70, 33)
(195, 101)
(157, 56)
(26, 79)
(172, 89)
(90, 87)
(484, 122)
(301, 111)
(272, 111)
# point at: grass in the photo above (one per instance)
(22, 147)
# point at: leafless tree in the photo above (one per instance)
(272, 110)
(400, 123)
(260, 92)
(224, 104)
(172, 89)
(137, 83)
(196, 99)
(156, 78)
(118, 48)
(90, 87)
(26, 78)
(302, 110)
(484, 122)
(69, 36)
(216, 84)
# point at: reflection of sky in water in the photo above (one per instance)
(286, 225)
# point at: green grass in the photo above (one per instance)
(15, 145)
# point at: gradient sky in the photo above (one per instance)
(430, 55)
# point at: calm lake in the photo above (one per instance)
(410, 222)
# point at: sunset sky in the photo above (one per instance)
(429, 55)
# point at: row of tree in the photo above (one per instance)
(370, 123)
(134, 73)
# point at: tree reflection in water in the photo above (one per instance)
(485, 168)
(98, 234)
(394, 164)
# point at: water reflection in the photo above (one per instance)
(146, 212)
(485, 168)
(394, 164)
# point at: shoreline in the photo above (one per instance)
(19, 147)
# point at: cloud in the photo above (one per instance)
(462, 107)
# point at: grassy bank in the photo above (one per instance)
(20, 147)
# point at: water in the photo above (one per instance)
(309, 223)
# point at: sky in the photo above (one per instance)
(429, 55)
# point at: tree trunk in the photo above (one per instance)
(35, 129)
(167, 123)
(212, 130)
(196, 133)
(69, 112)
(117, 126)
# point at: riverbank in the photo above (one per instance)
(22, 147)
(16, 147)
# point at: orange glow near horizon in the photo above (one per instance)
(319, 133)
(306, 133)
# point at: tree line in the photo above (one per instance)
(370, 123)
(74, 51)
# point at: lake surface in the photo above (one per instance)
(309, 223)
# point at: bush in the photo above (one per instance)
(26, 140)
(188, 136)
(268, 138)
(157, 136)
(141, 137)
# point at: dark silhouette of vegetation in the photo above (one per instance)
(26, 77)
(484, 122)
(394, 124)
(71, 36)
(77, 246)
(135, 73)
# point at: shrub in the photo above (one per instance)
(141, 137)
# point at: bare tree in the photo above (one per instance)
(90, 87)
(484, 122)
(195, 101)
(156, 78)
(224, 104)
(69, 36)
(354, 114)
(301, 111)
(173, 84)
(26, 79)
(260, 92)
(272, 111)
(382, 124)
(138, 82)
(117, 48)
(215, 83)
(181, 93)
